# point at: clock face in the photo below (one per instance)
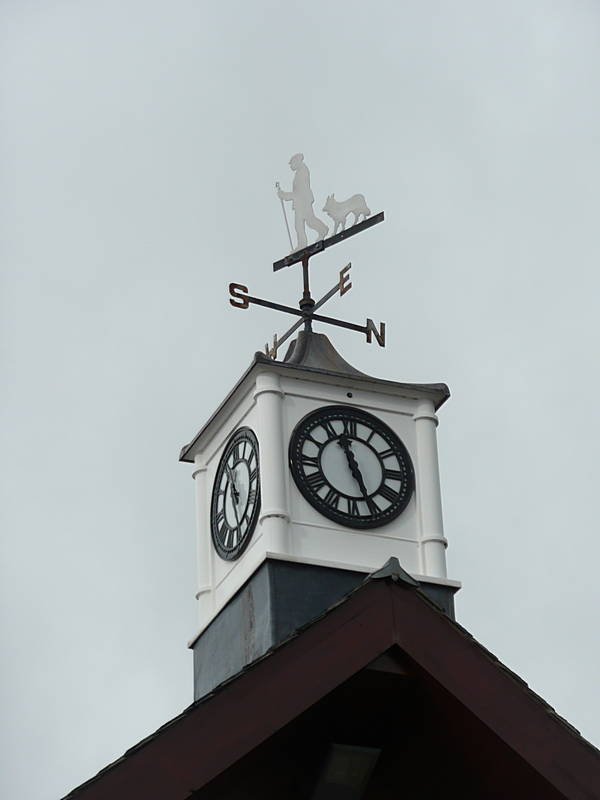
(236, 496)
(351, 467)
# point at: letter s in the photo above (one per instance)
(237, 292)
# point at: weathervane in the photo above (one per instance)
(302, 200)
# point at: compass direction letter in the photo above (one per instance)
(238, 298)
(378, 334)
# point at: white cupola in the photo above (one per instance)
(309, 476)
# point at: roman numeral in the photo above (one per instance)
(237, 452)
(315, 481)
(251, 496)
(309, 461)
(373, 507)
(392, 475)
(353, 507)
(350, 428)
(388, 493)
(223, 532)
(253, 475)
(386, 453)
(220, 518)
(329, 429)
(332, 498)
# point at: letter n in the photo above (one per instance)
(378, 334)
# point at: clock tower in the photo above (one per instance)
(309, 476)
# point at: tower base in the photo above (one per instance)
(277, 600)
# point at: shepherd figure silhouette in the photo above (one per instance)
(302, 202)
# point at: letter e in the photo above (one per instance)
(345, 284)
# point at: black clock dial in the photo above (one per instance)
(236, 495)
(351, 467)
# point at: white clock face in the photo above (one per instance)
(236, 495)
(334, 462)
(351, 466)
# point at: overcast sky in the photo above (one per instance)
(141, 142)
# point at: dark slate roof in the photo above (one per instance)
(313, 354)
(386, 610)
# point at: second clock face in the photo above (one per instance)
(351, 466)
(236, 496)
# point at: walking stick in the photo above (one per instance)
(285, 218)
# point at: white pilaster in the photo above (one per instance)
(204, 595)
(429, 496)
(274, 516)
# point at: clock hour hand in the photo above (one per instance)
(234, 490)
(235, 495)
(344, 443)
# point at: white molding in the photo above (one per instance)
(351, 402)
(322, 562)
(437, 581)
(273, 512)
(432, 550)
(268, 390)
(372, 532)
(203, 540)
(441, 539)
(232, 424)
(318, 562)
(432, 417)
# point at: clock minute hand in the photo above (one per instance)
(235, 494)
(234, 490)
(353, 464)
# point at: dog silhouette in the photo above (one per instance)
(338, 211)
